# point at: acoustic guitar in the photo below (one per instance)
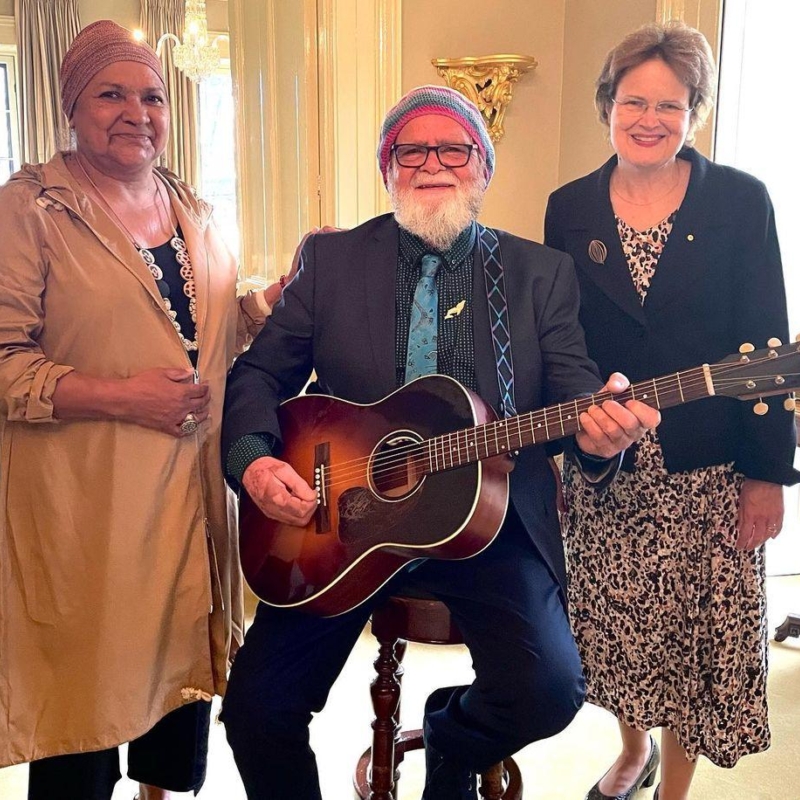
(423, 473)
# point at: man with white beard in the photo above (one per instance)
(425, 289)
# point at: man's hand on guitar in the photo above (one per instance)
(609, 428)
(279, 491)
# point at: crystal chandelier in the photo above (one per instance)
(196, 55)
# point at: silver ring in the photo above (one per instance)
(189, 424)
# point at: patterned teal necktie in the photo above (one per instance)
(424, 326)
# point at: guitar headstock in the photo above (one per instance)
(753, 374)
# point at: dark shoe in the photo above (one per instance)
(645, 778)
(446, 779)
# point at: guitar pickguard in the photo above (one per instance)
(363, 519)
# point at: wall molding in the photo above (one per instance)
(357, 87)
(706, 16)
(274, 70)
(389, 67)
(670, 9)
(255, 129)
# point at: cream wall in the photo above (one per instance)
(217, 15)
(591, 29)
(552, 133)
(125, 12)
(528, 154)
(7, 34)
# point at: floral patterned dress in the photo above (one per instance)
(669, 616)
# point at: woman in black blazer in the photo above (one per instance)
(679, 264)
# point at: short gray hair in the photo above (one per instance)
(683, 49)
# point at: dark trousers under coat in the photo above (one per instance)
(171, 755)
(509, 608)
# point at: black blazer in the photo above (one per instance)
(338, 318)
(718, 283)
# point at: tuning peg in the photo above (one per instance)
(760, 408)
(746, 348)
(773, 342)
(789, 404)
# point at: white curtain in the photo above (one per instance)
(182, 153)
(45, 30)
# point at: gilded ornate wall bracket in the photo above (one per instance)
(487, 81)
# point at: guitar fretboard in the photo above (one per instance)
(470, 445)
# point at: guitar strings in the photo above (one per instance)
(496, 431)
(419, 455)
(383, 464)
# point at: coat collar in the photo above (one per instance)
(59, 186)
(380, 256)
(593, 222)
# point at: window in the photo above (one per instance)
(218, 154)
(758, 46)
(9, 130)
(754, 133)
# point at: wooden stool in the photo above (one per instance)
(399, 620)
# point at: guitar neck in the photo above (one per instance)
(469, 445)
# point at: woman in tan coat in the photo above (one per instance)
(121, 597)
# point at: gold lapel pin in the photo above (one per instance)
(598, 251)
(455, 310)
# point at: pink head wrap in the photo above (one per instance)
(95, 47)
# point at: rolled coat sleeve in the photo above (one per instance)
(27, 377)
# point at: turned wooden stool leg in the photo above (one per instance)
(385, 691)
(503, 781)
(492, 783)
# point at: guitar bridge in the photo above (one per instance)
(322, 455)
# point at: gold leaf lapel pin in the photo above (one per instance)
(455, 310)
(598, 251)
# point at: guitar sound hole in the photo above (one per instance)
(397, 466)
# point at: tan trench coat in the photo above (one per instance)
(120, 593)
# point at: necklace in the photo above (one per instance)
(649, 202)
(181, 256)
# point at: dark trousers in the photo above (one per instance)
(508, 606)
(172, 755)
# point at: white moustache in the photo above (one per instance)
(419, 183)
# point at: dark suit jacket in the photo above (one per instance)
(338, 318)
(718, 284)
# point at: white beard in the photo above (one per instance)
(439, 225)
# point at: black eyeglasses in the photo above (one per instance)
(449, 155)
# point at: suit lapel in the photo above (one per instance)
(596, 224)
(379, 262)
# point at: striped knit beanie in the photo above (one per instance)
(435, 100)
(94, 48)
